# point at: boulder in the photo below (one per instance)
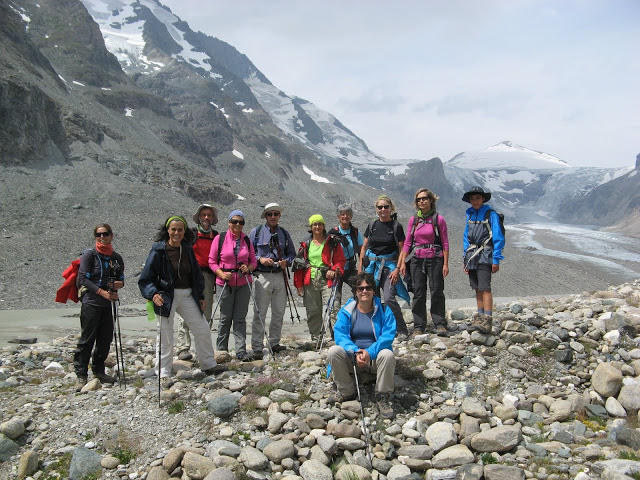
(84, 463)
(441, 435)
(606, 380)
(452, 456)
(499, 439)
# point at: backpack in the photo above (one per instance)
(69, 289)
(500, 219)
(221, 242)
(353, 233)
(301, 262)
(437, 241)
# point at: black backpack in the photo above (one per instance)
(500, 219)
(345, 243)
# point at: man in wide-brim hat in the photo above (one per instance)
(483, 242)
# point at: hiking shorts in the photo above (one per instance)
(480, 278)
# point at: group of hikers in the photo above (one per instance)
(195, 272)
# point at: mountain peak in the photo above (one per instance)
(506, 155)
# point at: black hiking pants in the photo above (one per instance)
(423, 271)
(96, 325)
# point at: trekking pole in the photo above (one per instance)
(115, 338)
(213, 314)
(255, 304)
(159, 356)
(123, 382)
(352, 356)
(326, 322)
(293, 300)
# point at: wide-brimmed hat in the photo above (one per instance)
(196, 216)
(486, 196)
(271, 207)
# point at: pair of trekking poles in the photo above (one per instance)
(326, 320)
(117, 340)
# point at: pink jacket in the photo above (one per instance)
(228, 260)
(425, 235)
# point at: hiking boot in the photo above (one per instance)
(185, 355)
(277, 348)
(476, 321)
(339, 397)
(485, 324)
(244, 357)
(215, 370)
(417, 331)
(402, 336)
(80, 382)
(104, 378)
(385, 405)
(258, 354)
(442, 331)
(166, 383)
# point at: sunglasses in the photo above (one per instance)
(234, 221)
(272, 214)
(102, 234)
(365, 288)
(381, 207)
(422, 199)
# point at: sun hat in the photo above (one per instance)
(196, 216)
(271, 207)
(317, 218)
(474, 190)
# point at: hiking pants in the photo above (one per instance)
(316, 296)
(185, 305)
(423, 271)
(234, 306)
(96, 325)
(389, 299)
(183, 344)
(270, 290)
(342, 370)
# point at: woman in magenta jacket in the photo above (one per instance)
(426, 249)
(233, 259)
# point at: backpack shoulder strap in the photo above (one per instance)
(255, 237)
(247, 241)
(220, 243)
(436, 227)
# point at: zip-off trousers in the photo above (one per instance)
(234, 306)
(185, 305)
(316, 296)
(342, 369)
(271, 292)
(183, 343)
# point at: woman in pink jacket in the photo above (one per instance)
(232, 258)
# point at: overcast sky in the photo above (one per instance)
(423, 79)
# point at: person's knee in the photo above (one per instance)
(386, 356)
(336, 352)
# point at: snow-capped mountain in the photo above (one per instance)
(506, 156)
(145, 35)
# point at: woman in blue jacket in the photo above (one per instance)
(364, 332)
(173, 281)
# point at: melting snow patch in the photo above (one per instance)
(247, 110)
(213, 104)
(62, 78)
(240, 197)
(314, 177)
(106, 89)
(267, 154)
(240, 104)
(236, 153)
(128, 112)
(78, 83)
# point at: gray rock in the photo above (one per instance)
(223, 406)
(315, 421)
(221, 473)
(478, 338)
(564, 356)
(474, 407)
(596, 410)
(319, 455)
(342, 430)
(503, 472)
(84, 462)
(470, 471)
(347, 443)
(606, 380)
(280, 395)
(629, 397)
(278, 450)
(197, 466)
(440, 435)
(468, 425)
(528, 418)
(560, 410)
(352, 472)
(109, 462)
(322, 413)
(253, 459)
(398, 472)
(314, 470)
(383, 466)
(452, 456)
(327, 444)
(13, 427)
(436, 474)
(505, 412)
(629, 437)
(614, 408)
(8, 448)
(499, 439)
(223, 447)
(173, 458)
(418, 452)
(276, 421)
(157, 473)
(458, 315)
(28, 464)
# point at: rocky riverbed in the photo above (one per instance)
(553, 393)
